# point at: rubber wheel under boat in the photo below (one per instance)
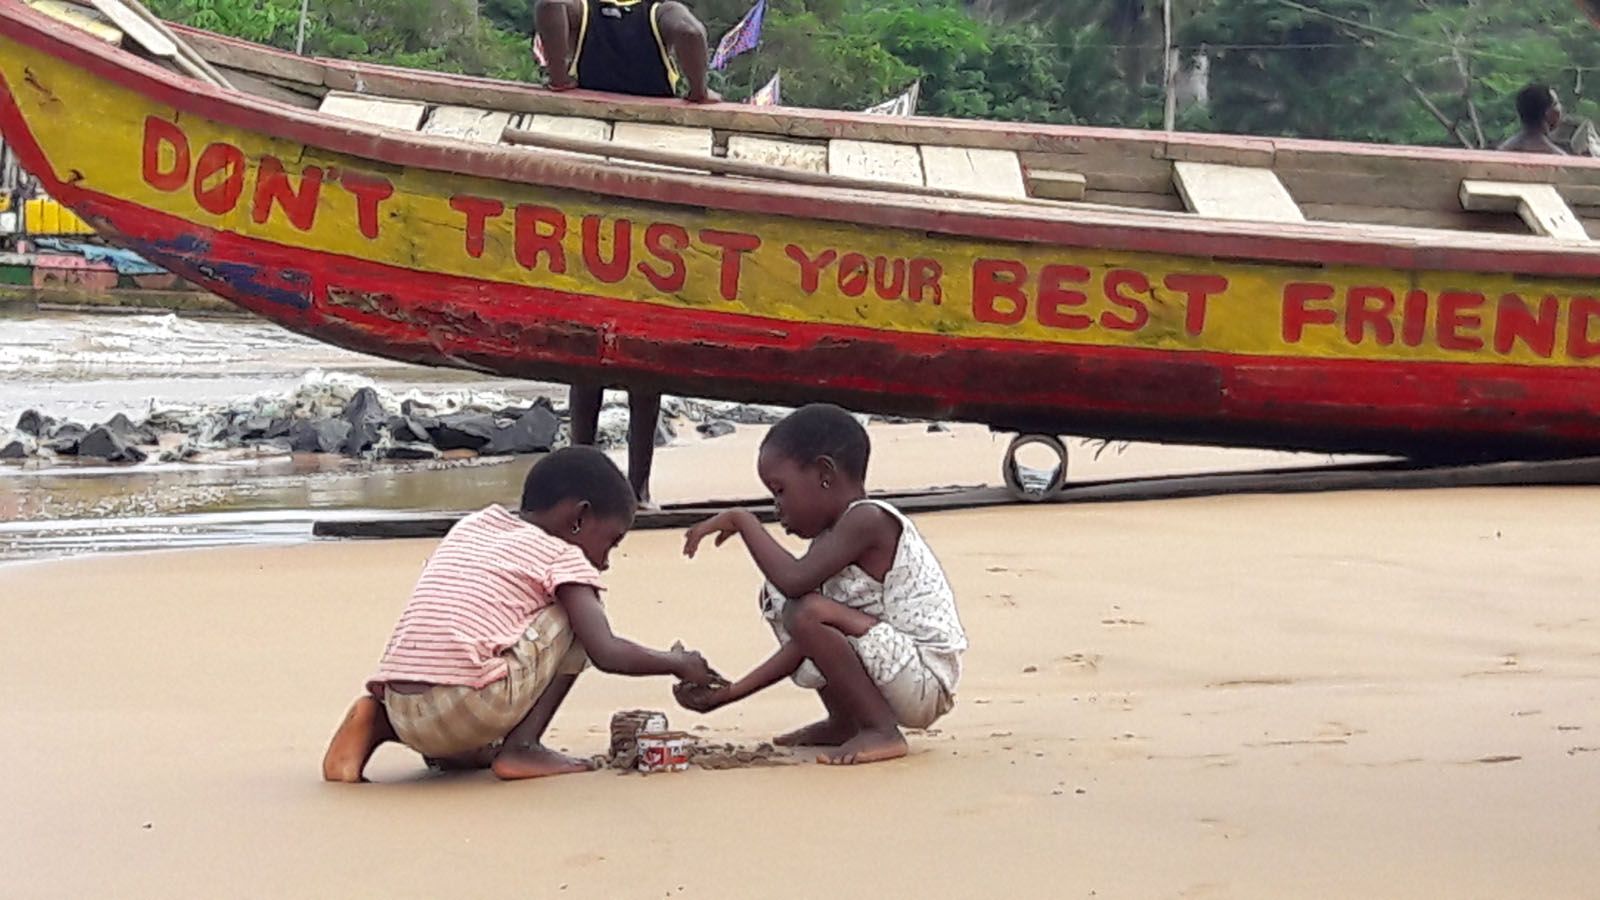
(1027, 483)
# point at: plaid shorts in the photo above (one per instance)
(453, 720)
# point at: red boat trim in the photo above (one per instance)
(534, 332)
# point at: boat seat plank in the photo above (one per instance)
(973, 170)
(897, 163)
(382, 111)
(480, 126)
(143, 33)
(83, 18)
(1242, 193)
(662, 137)
(1539, 205)
(567, 126)
(1050, 184)
(773, 152)
(651, 136)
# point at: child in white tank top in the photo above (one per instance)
(866, 617)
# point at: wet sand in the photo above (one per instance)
(1348, 695)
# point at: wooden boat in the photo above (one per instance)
(1121, 284)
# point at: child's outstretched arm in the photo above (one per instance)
(777, 667)
(859, 531)
(618, 655)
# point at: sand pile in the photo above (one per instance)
(627, 725)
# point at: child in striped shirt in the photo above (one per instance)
(505, 615)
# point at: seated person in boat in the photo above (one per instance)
(505, 615)
(624, 47)
(866, 617)
(1540, 111)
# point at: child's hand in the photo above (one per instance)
(699, 699)
(693, 668)
(724, 525)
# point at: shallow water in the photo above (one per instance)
(90, 367)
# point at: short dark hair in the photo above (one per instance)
(822, 429)
(1533, 103)
(578, 473)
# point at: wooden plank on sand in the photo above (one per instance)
(382, 111)
(480, 126)
(774, 152)
(1243, 193)
(974, 170)
(898, 163)
(1539, 205)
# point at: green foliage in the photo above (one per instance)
(1413, 71)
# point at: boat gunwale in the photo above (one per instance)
(820, 123)
(1316, 244)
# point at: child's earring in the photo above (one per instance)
(826, 483)
(576, 527)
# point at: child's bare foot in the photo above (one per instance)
(826, 733)
(535, 762)
(364, 727)
(867, 747)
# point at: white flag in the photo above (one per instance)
(771, 95)
(903, 105)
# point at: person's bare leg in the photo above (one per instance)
(837, 728)
(685, 37)
(583, 413)
(522, 755)
(644, 413)
(822, 628)
(556, 24)
(364, 728)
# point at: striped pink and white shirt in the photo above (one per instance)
(476, 597)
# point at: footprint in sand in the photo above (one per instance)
(1085, 661)
(1510, 664)
(1221, 829)
(1251, 682)
(1562, 626)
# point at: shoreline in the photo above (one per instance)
(691, 469)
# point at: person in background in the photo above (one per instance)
(644, 412)
(1540, 111)
(632, 47)
(624, 47)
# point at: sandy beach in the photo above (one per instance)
(1351, 695)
